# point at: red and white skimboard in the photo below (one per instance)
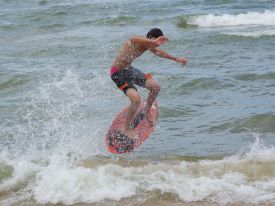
(118, 142)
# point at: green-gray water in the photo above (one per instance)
(214, 142)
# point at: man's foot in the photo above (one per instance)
(137, 120)
(149, 117)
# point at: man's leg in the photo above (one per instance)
(135, 99)
(154, 89)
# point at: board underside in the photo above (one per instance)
(118, 142)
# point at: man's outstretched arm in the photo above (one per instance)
(164, 54)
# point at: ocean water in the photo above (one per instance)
(215, 139)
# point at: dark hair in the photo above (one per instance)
(154, 33)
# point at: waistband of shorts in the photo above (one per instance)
(113, 70)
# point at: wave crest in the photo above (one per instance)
(212, 20)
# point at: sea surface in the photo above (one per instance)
(214, 144)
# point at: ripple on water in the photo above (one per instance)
(263, 123)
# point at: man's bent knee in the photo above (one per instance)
(154, 88)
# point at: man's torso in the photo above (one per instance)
(129, 52)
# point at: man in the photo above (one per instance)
(125, 76)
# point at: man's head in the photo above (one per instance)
(154, 33)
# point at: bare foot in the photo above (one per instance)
(149, 118)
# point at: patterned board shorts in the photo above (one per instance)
(127, 78)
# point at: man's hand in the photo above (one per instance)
(161, 40)
(181, 60)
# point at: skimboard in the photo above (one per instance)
(118, 142)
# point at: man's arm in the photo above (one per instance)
(148, 43)
(164, 54)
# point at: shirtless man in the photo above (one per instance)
(125, 76)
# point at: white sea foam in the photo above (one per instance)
(23, 170)
(72, 185)
(247, 178)
(256, 34)
(249, 18)
(53, 132)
